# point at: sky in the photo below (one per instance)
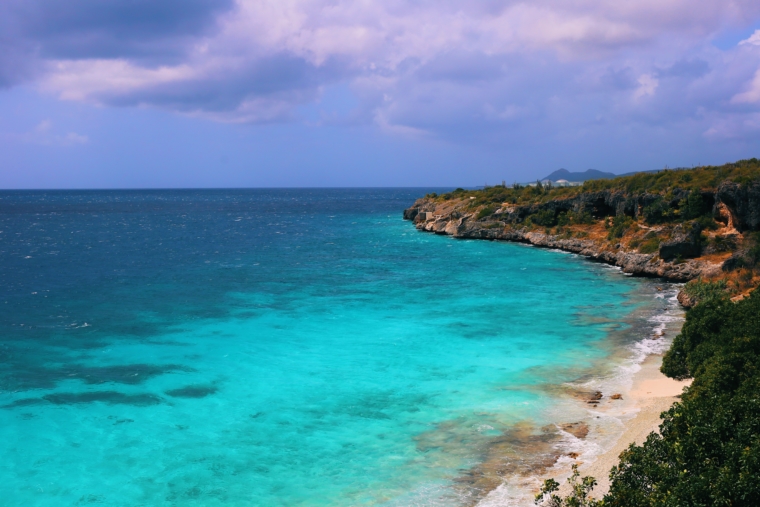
(339, 93)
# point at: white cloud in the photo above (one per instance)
(90, 79)
(753, 39)
(752, 95)
(734, 127)
(444, 67)
(387, 36)
(44, 126)
(647, 86)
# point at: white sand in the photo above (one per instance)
(651, 394)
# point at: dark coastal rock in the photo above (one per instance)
(686, 300)
(742, 204)
(723, 243)
(577, 429)
(684, 243)
(411, 213)
(733, 263)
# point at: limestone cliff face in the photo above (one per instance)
(741, 203)
(630, 261)
(678, 258)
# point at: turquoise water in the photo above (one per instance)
(273, 347)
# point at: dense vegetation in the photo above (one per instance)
(661, 182)
(708, 449)
(708, 452)
(654, 202)
(647, 212)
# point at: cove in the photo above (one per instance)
(280, 348)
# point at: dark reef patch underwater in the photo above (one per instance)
(284, 348)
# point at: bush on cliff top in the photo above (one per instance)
(662, 182)
(707, 177)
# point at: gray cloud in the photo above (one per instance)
(501, 69)
(155, 31)
(693, 68)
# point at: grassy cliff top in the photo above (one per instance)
(662, 182)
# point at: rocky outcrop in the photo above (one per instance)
(686, 300)
(722, 214)
(454, 218)
(411, 213)
(739, 203)
(684, 243)
(736, 205)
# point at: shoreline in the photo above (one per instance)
(455, 218)
(621, 402)
(651, 394)
(629, 409)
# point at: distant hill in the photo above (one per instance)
(588, 174)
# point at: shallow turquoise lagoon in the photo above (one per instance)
(274, 347)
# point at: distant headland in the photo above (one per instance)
(688, 225)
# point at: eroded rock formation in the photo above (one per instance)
(679, 257)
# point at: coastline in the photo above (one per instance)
(628, 407)
(650, 394)
(631, 399)
(643, 392)
(650, 228)
(600, 414)
(456, 218)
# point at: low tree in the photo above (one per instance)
(579, 495)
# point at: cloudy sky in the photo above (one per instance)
(231, 93)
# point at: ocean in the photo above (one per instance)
(289, 347)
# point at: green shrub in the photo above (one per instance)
(658, 212)
(707, 451)
(579, 492)
(693, 180)
(544, 217)
(702, 456)
(582, 218)
(650, 244)
(485, 212)
(723, 243)
(620, 224)
(700, 291)
(693, 206)
(753, 253)
(707, 222)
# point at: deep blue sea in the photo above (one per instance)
(276, 348)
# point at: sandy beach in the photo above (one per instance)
(651, 394)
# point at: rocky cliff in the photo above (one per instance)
(683, 251)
